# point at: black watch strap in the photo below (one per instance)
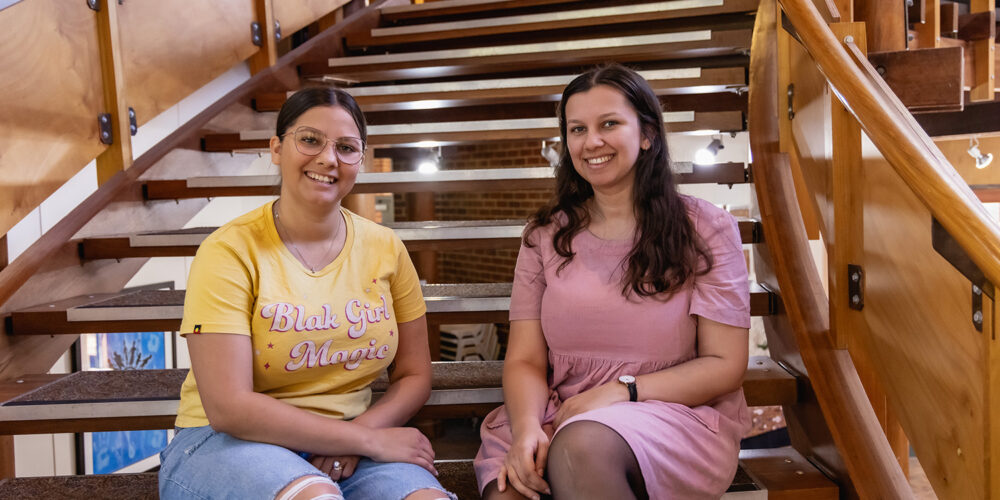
(633, 394)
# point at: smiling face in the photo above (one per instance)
(321, 180)
(604, 138)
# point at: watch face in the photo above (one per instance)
(626, 379)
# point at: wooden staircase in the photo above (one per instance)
(443, 74)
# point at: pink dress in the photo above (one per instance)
(594, 335)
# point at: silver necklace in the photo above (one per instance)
(293, 246)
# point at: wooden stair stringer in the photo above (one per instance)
(861, 459)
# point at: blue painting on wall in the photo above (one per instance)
(112, 451)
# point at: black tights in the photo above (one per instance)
(587, 460)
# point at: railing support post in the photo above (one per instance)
(118, 156)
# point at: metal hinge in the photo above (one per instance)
(132, 126)
(791, 96)
(855, 287)
(255, 35)
(977, 308)
(104, 126)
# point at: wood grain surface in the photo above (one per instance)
(51, 98)
(171, 49)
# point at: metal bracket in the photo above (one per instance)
(132, 126)
(791, 96)
(977, 308)
(951, 251)
(277, 31)
(94, 5)
(855, 287)
(104, 125)
(255, 35)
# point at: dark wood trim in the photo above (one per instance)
(925, 80)
(6, 457)
(977, 26)
(976, 118)
(3, 252)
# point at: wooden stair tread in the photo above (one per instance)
(439, 133)
(589, 16)
(547, 21)
(479, 60)
(458, 476)
(524, 89)
(492, 180)
(422, 235)
(450, 7)
(161, 310)
(101, 397)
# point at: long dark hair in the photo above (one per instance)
(666, 249)
(311, 97)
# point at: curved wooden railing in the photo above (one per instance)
(855, 429)
(900, 138)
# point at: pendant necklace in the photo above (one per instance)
(291, 244)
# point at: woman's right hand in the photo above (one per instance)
(402, 444)
(524, 464)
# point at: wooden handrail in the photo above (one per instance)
(900, 139)
(871, 465)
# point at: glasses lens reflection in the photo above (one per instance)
(312, 142)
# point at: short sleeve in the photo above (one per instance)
(529, 280)
(219, 297)
(723, 293)
(407, 298)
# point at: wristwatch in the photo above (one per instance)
(629, 381)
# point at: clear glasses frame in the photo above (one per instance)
(311, 142)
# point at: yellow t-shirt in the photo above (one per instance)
(319, 339)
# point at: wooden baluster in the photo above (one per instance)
(929, 32)
(268, 53)
(983, 57)
(885, 23)
(118, 156)
(991, 317)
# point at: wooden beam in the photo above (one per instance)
(978, 26)
(118, 156)
(916, 12)
(885, 23)
(925, 80)
(983, 56)
(949, 19)
(267, 56)
(929, 27)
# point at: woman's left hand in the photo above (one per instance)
(591, 399)
(338, 467)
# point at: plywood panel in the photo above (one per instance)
(171, 49)
(297, 14)
(50, 101)
(921, 338)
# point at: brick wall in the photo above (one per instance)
(491, 265)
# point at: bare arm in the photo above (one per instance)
(222, 367)
(718, 368)
(525, 388)
(409, 383)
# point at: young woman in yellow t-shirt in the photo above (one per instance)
(292, 310)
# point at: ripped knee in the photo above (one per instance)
(428, 494)
(311, 488)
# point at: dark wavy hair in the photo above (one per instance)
(666, 248)
(311, 97)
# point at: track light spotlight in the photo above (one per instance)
(431, 162)
(706, 155)
(982, 160)
(549, 153)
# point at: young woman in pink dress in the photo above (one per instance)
(629, 321)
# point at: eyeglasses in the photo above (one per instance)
(311, 142)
